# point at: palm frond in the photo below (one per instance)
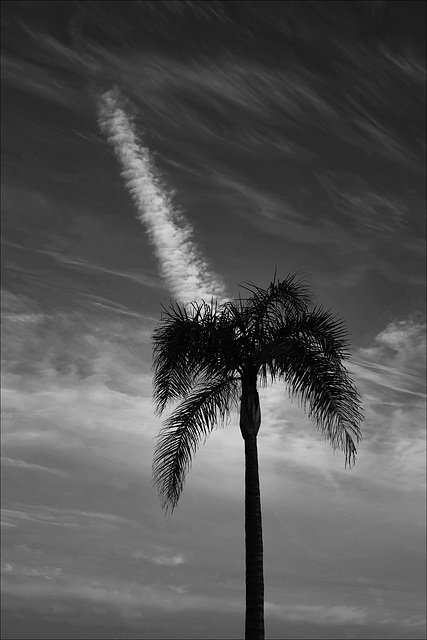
(325, 385)
(206, 406)
(189, 342)
(286, 297)
(267, 309)
(318, 329)
(325, 330)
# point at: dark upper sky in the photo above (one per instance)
(175, 149)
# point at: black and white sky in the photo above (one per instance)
(172, 150)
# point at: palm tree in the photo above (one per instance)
(212, 358)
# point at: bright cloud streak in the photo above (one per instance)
(181, 265)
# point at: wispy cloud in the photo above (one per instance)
(67, 518)
(161, 559)
(123, 594)
(46, 573)
(184, 269)
(409, 64)
(21, 464)
(317, 613)
(380, 140)
(84, 264)
(272, 213)
(35, 79)
(14, 517)
(390, 375)
(366, 208)
(396, 360)
(115, 307)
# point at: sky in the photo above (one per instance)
(160, 151)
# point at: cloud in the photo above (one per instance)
(74, 385)
(21, 464)
(71, 420)
(115, 307)
(409, 64)
(367, 210)
(185, 271)
(162, 559)
(127, 595)
(391, 461)
(382, 141)
(34, 78)
(19, 309)
(320, 614)
(227, 96)
(87, 265)
(46, 573)
(60, 517)
(274, 214)
(231, 100)
(65, 347)
(349, 214)
(46, 516)
(227, 83)
(396, 361)
(390, 375)
(406, 340)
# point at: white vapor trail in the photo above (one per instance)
(183, 268)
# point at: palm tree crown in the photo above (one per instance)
(212, 357)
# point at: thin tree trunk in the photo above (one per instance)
(250, 420)
(254, 620)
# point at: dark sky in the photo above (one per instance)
(158, 150)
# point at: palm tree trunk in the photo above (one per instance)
(254, 620)
(250, 420)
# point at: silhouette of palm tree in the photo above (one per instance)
(212, 358)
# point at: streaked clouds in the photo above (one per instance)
(317, 613)
(396, 361)
(352, 197)
(297, 140)
(98, 430)
(31, 466)
(85, 265)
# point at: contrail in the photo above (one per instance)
(183, 268)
